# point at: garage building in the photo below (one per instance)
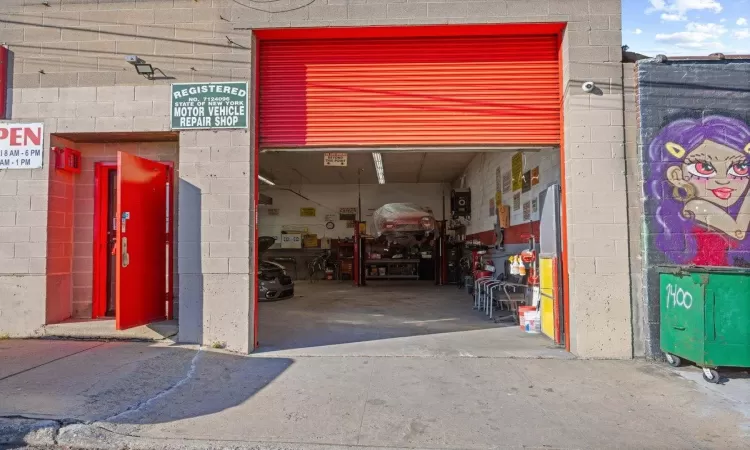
(448, 94)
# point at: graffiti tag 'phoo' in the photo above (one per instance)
(699, 179)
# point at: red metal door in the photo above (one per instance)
(141, 269)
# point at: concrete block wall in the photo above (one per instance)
(214, 238)
(335, 196)
(60, 237)
(69, 70)
(634, 183)
(481, 178)
(709, 103)
(63, 50)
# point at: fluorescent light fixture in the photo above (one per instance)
(378, 159)
(266, 180)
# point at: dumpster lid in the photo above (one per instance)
(675, 269)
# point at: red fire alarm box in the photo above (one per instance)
(67, 159)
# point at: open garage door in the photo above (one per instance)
(449, 90)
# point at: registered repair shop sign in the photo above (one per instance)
(209, 105)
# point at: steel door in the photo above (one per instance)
(141, 263)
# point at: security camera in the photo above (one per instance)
(588, 86)
(132, 59)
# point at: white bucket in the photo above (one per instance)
(532, 322)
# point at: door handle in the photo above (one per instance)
(679, 328)
(125, 255)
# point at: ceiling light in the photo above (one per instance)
(266, 180)
(378, 159)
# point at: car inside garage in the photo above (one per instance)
(331, 274)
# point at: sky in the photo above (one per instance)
(686, 27)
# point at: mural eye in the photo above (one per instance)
(739, 170)
(701, 169)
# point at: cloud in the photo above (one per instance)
(742, 33)
(676, 10)
(667, 17)
(741, 21)
(697, 36)
(637, 31)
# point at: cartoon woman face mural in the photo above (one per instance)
(700, 174)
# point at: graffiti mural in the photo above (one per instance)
(699, 179)
(693, 130)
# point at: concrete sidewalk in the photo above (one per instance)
(81, 394)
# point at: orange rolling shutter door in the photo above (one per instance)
(410, 91)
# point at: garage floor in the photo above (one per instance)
(390, 319)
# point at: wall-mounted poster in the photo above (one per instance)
(516, 201)
(492, 207)
(535, 176)
(534, 206)
(507, 181)
(498, 179)
(527, 211)
(330, 217)
(526, 183)
(516, 168)
(307, 212)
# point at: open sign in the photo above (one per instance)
(21, 145)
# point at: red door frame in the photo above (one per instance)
(420, 31)
(101, 191)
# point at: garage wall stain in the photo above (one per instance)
(694, 135)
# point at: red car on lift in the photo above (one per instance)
(400, 219)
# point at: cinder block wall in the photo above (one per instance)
(635, 206)
(481, 177)
(69, 69)
(706, 101)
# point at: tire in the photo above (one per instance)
(673, 360)
(711, 375)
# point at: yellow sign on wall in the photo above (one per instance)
(516, 169)
(307, 212)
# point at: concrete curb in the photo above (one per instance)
(16, 431)
(99, 436)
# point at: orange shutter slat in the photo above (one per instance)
(466, 90)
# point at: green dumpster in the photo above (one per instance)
(705, 317)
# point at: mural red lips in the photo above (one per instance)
(723, 193)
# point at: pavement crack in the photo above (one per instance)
(139, 406)
(364, 406)
(50, 362)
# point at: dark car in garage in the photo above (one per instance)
(273, 281)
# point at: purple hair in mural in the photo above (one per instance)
(698, 183)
